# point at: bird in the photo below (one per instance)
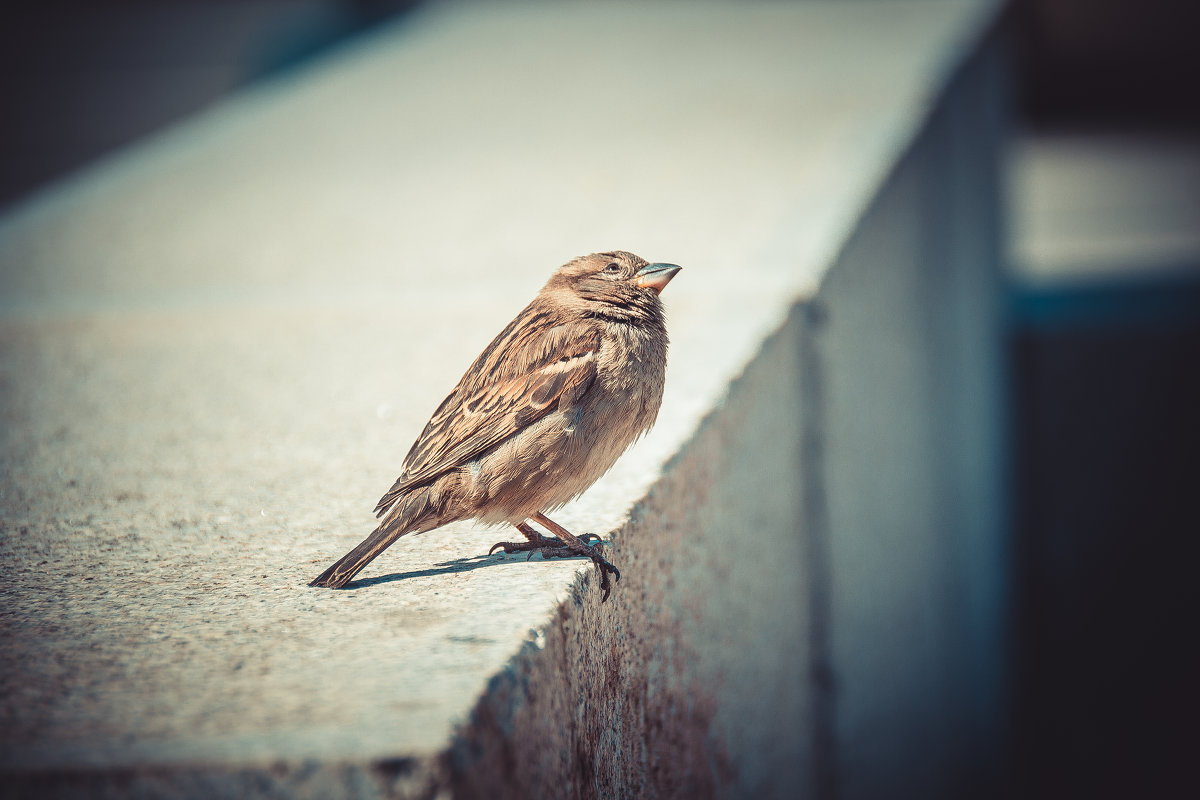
(543, 412)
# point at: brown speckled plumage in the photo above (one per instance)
(543, 412)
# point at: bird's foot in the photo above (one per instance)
(576, 545)
(567, 545)
(548, 546)
(554, 548)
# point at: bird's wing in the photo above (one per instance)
(532, 368)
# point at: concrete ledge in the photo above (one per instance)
(817, 606)
(216, 348)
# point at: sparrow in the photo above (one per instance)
(546, 409)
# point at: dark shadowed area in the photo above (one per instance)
(1105, 346)
(80, 79)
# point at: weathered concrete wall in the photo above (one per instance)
(214, 352)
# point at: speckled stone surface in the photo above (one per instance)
(216, 348)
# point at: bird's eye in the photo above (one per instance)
(613, 268)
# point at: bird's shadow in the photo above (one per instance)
(444, 568)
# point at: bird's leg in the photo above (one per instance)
(580, 547)
(547, 546)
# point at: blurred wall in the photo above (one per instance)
(79, 79)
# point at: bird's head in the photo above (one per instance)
(617, 284)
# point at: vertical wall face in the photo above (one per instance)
(908, 354)
(748, 623)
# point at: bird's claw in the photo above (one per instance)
(593, 548)
(523, 547)
(604, 566)
(549, 547)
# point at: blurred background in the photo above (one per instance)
(1105, 357)
(1104, 216)
(79, 79)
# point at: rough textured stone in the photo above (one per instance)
(215, 349)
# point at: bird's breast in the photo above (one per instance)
(630, 373)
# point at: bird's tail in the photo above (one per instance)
(406, 517)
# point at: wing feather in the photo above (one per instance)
(531, 369)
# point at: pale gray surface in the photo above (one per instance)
(217, 348)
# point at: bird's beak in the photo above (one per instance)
(656, 276)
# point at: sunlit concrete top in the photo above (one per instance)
(216, 348)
